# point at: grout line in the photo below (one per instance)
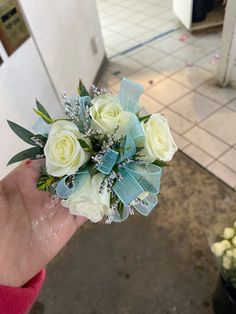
(144, 43)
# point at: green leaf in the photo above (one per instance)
(84, 145)
(24, 134)
(44, 182)
(144, 118)
(120, 209)
(82, 91)
(43, 116)
(161, 163)
(29, 153)
(42, 109)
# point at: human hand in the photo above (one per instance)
(34, 226)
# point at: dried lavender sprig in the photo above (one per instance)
(98, 91)
(38, 141)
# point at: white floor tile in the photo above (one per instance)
(147, 55)
(229, 159)
(147, 77)
(192, 76)
(115, 40)
(169, 45)
(222, 123)
(176, 122)
(125, 66)
(135, 32)
(119, 27)
(194, 107)
(209, 42)
(206, 142)
(138, 18)
(180, 141)
(190, 53)
(168, 65)
(142, 6)
(224, 173)
(232, 105)
(198, 155)
(146, 37)
(152, 23)
(127, 45)
(150, 104)
(155, 10)
(210, 62)
(109, 79)
(167, 91)
(217, 93)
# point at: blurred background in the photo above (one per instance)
(183, 52)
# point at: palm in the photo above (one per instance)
(34, 227)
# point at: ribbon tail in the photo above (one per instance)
(129, 95)
(150, 203)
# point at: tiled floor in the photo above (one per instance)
(177, 70)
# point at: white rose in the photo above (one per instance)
(229, 253)
(219, 248)
(64, 155)
(107, 113)
(228, 233)
(159, 141)
(88, 202)
(234, 241)
(233, 251)
(227, 262)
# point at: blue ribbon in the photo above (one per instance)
(79, 104)
(129, 94)
(136, 180)
(150, 202)
(128, 148)
(41, 127)
(136, 131)
(117, 218)
(108, 161)
(64, 191)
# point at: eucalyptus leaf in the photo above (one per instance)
(43, 116)
(160, 163)
(120, 210)
(84, 145)
(144, 118)
(42, 109)
(24, 134)
(82, 89)
(29, 153)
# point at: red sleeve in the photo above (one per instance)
(19, 300)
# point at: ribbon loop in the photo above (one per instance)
(117, 218)
(127, 189)
(150, 203)
(128, 148)
(129, 94)
(108, 161)
(147, 175)
(64, 191)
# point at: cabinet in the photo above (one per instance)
(183, 9)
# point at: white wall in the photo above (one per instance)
(63, 31)
(22, 79)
